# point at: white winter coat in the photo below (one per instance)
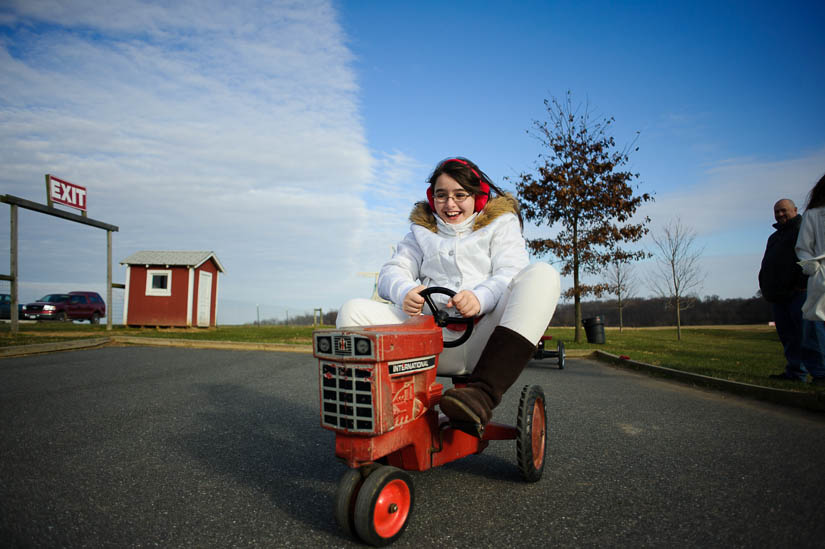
(810, 249)
(482, 254)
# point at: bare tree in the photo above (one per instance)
(621, 281)
(678, 274)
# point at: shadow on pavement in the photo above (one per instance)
(271, 445)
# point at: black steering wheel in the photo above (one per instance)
(442, 318)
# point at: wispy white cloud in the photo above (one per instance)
(226, 126)
(738, 194)
(398, 181)
(731, 210)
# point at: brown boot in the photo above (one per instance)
(502, 361)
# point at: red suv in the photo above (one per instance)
(72, 306)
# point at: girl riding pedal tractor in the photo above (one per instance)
(464, 239)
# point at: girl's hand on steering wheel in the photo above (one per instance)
(466, 303)
(413, 302)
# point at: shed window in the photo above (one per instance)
(159, 282)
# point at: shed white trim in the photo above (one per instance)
(126, 297)
(190, 296)
(217, 285)
(155, 283)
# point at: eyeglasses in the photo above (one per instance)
(458, 197)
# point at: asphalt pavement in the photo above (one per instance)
(144, 446)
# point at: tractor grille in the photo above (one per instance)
(346, 397)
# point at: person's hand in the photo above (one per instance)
(466, 303)
(413, 302)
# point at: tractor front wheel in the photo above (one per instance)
(345, 496)
(383, 506)
(531, 441)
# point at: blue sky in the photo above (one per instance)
(291, 138)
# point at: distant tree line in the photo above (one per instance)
(636, 312)
(306, 319)
(657, 311)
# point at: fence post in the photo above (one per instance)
(109, 307)
(13, 316)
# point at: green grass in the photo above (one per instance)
(740, 353)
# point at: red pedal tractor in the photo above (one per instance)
(378, 393)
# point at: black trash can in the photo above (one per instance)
(594, 329)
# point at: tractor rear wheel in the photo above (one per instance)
(383, 506)
(531, 441)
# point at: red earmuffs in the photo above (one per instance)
(481, 199)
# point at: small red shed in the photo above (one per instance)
(171, 289)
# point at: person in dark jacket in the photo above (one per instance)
(783, 285)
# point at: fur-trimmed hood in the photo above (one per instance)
(423, 215)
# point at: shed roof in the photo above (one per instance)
(172, 258)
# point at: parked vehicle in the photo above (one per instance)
(48, 307)
(72, 306)
(86, 305)
(5, 307)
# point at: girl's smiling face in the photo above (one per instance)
(453, 204)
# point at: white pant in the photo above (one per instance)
(526, 307)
